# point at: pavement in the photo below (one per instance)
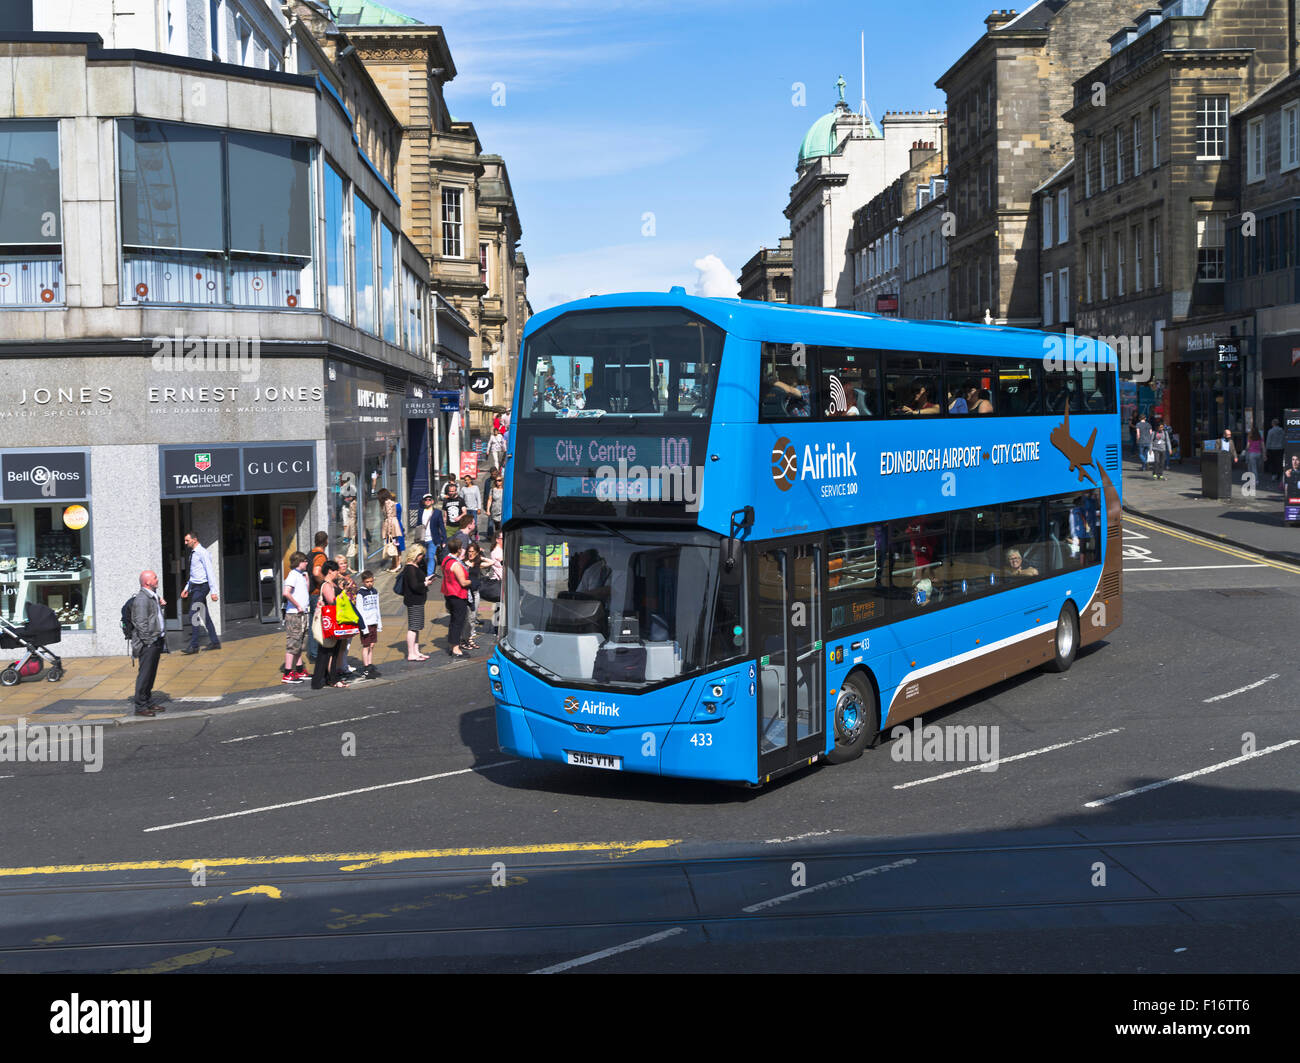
(244, 673)
(1250, 522)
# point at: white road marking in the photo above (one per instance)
(626, 947)
(265, 699)
(198, 697)
(1192, 774)
(310, 726)
(1190, 568)
(1242, 690)
(806, 834)
(1007, 760)
(326, 797)
(1139, 553)
(844, 880)
(1129, 533)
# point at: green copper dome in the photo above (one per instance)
(820, 139)
(364, 13)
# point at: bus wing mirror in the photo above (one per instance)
(741, 520)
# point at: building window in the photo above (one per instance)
(388, 281)
(1137, 146)
(1255, 150)
(452, 223)
(1212, 127)
(1063, 296)
(215, 20)
(1105, 269)
(1155, 254)
(1290, 135)
(1087, 274)
(1137, 258)
(336, 245)
(1087, 171)
(1155, 136)
(1048, 301)
(210, 217)
(31, 229)
(1063, 216)
(1119, 156)
(483, 277)
(46, 551)
(1047, 221)
(1101, 144)
(1209, 246)
(364, 256)
(1119, 265)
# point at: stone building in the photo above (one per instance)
(924, 236)
(462, 211)
(883, 260)
(1263, 245)
(1055, 250)
(1006, 96)
(210, 320)
(1156, 179)
(845, 160)
(766, 276)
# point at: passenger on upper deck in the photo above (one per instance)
(785, 390)
(921, 402)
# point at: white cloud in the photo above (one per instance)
(715, 280)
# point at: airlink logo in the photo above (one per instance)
(785, 464)
(829, 461)
(596, 708)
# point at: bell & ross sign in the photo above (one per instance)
(251, 469)
(37, 474)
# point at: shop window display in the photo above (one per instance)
(45, 557)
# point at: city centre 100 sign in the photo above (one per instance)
(591, 452)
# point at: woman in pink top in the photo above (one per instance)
(1255, 452)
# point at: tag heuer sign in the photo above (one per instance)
(480, 381)
(203, 462)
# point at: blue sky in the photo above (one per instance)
(682, 110)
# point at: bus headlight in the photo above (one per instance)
(494, 670)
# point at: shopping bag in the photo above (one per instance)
(345, 611)
(330, 624)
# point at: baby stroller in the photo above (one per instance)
(41, 630)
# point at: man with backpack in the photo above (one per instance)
(144, 617)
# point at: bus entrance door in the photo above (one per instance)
(791, 697)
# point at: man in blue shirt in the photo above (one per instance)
(200, 581)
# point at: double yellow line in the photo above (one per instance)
(1200, 540)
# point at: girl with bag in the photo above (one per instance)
(455, 591)
(474, 564)
(326, 672)
(413, 585)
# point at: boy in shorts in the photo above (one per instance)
(297, 617)
(368, 608)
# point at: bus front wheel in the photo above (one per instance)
(1066, 643)
(855, 715)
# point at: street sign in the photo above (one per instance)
(480, 381)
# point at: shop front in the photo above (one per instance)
(1207, 388)
(366, 458)
(1280, 369)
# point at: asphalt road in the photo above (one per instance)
(380, 828)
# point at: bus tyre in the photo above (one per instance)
(1066, 643)
(855, 712)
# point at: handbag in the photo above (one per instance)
(490, 590)
(344, 611)
(330, 624)
(318, 632)
(352, 548)
(390, 549)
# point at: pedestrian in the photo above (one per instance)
(1161, 445)
(429, 529)
(1255, 453)
(1228, 445)
(297, 618)
(390, 531)
(473, 503)
(413, 585)
(1274, 443)
(148, 643)
(368, 607)
(453, 508)
(1143, 435)
(455, 592)
(475, 564)
(348, 585)
(315, 561)
(326, 671)
(199, 583)
(496, 503)
(496, 450)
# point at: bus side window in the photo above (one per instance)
(918, 549)
(970, 384)
(784, 390)
(912, 384)
(1026, 550)
(1018, 388)
(855, 583)
(973, 560)
(850, 382)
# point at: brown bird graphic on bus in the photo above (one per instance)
(1078, 455)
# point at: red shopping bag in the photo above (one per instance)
(331, 626)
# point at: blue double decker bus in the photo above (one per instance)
(742, 537)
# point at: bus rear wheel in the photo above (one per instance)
(854, 723)
(1066, 643)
